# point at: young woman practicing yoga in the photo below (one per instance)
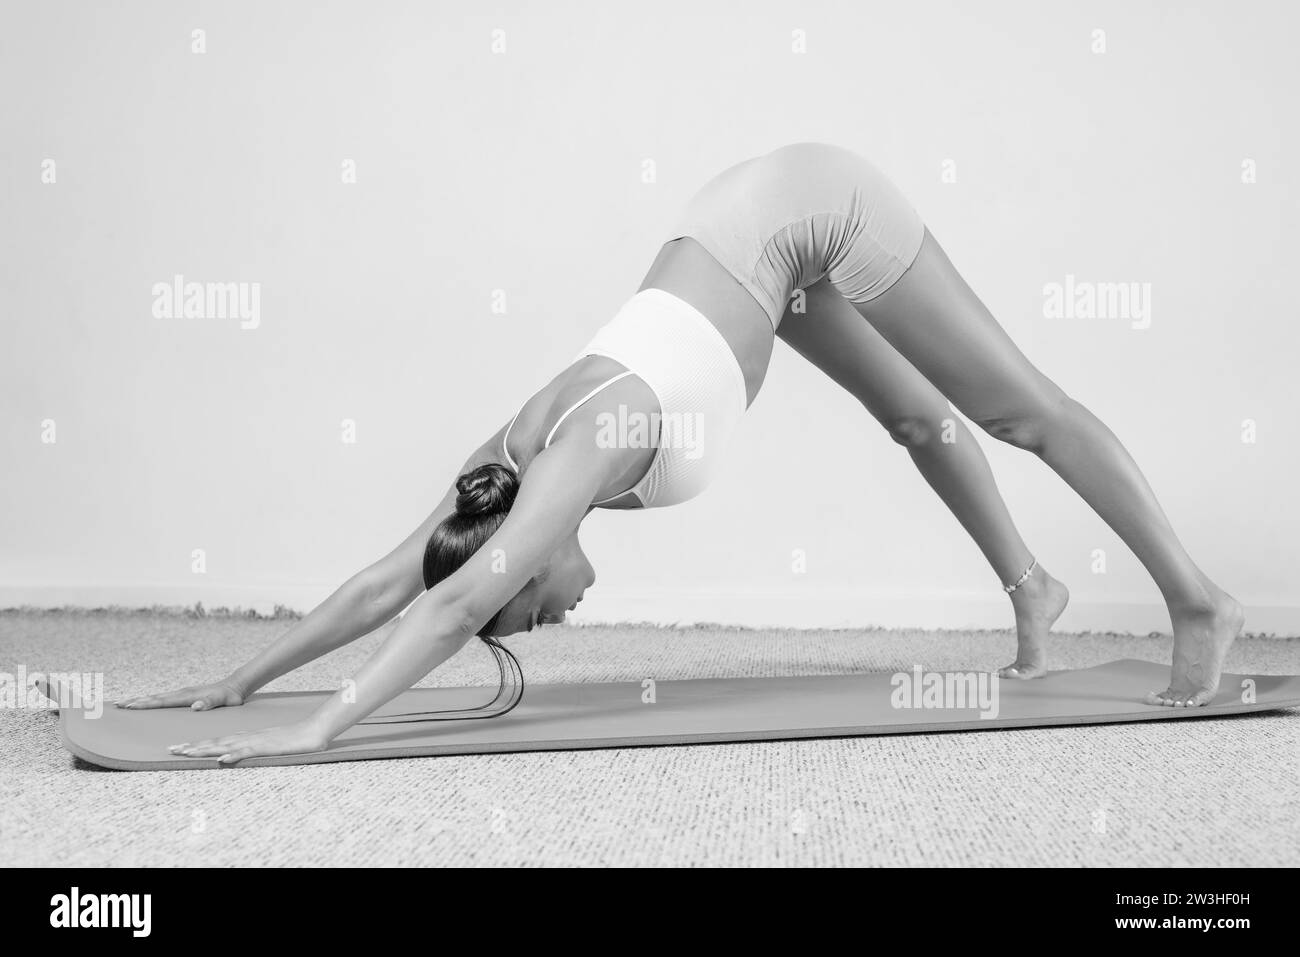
(809, 243)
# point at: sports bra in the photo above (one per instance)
(676, 351)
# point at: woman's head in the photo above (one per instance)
(484, 497)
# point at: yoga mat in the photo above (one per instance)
(701, 711)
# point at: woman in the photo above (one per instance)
(809, 243)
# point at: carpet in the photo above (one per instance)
(1163, 794)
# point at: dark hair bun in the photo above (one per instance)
(486, 490)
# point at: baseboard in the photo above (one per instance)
(833, 607)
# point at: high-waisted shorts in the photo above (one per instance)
(782, 221)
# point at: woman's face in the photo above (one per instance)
(556, 590)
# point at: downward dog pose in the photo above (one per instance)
(882, 312)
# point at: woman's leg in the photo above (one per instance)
(832, 336)
(934, 319)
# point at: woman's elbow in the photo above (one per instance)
(462, 623)
(452, 619)
(381, 588)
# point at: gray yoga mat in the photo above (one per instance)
(703, 711)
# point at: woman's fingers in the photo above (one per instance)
(212, 747)
(293, 739)
(174, 699)
(197, 697)
(227, 750)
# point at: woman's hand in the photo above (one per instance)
(300, 738)
(223, 694)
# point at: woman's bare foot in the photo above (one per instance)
(1202, 637)
(1038, 603)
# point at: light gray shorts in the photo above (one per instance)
(782, 221)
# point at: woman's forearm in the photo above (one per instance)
(562, 481)
(428, 635)
(355, 609)
(368, 599)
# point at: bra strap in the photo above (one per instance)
(560, 421)
(505, 442)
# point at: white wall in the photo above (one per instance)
(522, 172)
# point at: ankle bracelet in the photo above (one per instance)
(1022, 579)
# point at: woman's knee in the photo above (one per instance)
(1031, 425)
(913, 431)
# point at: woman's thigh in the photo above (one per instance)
(832, 335)
(941, 327)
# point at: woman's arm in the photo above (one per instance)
(560, 484)
(367, 600)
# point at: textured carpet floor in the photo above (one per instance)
(1190, 793)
